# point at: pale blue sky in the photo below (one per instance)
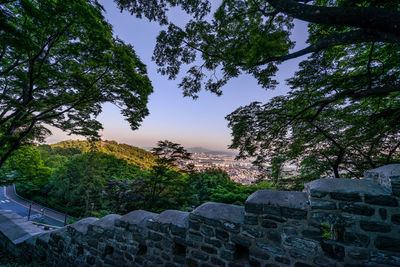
(182, 120)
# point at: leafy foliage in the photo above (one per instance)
(131, 154)
(59, 62)
(94, 183)
(341, 115)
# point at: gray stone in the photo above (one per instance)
(107, 222)
(342, 185)
(251, 232)
(294, 213)
(346, 196)
(173, 217)
(222, 235)
(357, 209)
(241, 241)
(282, 260)
(16, 228)
(387, 243)
(259, 254)
(385, 258)
(298, 254)
(396, 218)
(322, 204)
(82, 225)
(358, 254)
(333, 249)
(295, 200)
(385, 175)
(302, 243)
(251, 220)
(381, 200)
(207, 231)
(221, 212)
(137, 217)
(383, 213)
(275, 250)
(356, 239)
(370, 226)
(269, 224)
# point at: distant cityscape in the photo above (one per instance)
(241, 171)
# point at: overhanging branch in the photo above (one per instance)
(380, 19)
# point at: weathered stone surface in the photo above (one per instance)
(345, 196)
(302, 243)
(221, 212)
(356, 239)
(385, 175)
(383, 213)
(295, 200)
(322, 204)
(333, 249)
(370, 226)
(273, 250)
(381, 200)
(107, 222)
(298, 254)
(358, 254)
(335, 185)
(207, 231)
(16, 228)
(357, 209)
(173, 217)
(82, 225)
(396, 218)
(385, 258)
(137, 217)
(387, 243)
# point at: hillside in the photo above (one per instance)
(131, 154)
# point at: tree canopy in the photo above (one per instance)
(59, 62)
(341, 115)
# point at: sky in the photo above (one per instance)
(189, 122)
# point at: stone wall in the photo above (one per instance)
(361, 219)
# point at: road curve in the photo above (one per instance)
(10, 200)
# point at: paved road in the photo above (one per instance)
(10, 201)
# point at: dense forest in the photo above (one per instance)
(94, 178)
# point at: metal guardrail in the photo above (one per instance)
(40, 206)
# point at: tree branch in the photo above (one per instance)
(380, 19)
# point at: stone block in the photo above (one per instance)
(371, 226)
(274, 250)
(387, 243)
(383, 200)
(357, 209)
(342, 185)
(302, 243)
(173, 217)
(251, 232)
(396, 219)
(322, 204)
(356, 239)
(333, 249)
(220, 212)
(207, 231)
(137, 218)
(282, 260)
(264, 198)
(298, 254)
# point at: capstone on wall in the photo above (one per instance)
(334, 222)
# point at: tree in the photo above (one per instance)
(254, 36)
(58, 63)
(26, 167)
(342, 112)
